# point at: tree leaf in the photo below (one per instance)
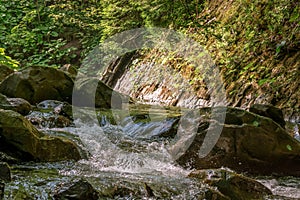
(289, 147)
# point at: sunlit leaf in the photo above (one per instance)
(289, 147)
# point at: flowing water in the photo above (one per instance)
(123, 165)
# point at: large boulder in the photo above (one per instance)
(36, 84)
(269, 111)
(16, 104)
(90, 92)
(248, 143)
(18, 134)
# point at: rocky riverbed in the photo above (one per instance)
(137, 151)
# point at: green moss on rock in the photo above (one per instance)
(19, 133)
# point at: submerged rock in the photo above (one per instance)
(5, 172)
(269, 111)
(232, 185)
(80, 189)
(36, 84)
(16, 104)
(248, 143)
(18, 134)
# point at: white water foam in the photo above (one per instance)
(106, 155)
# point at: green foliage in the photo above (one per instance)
(256, 123)
(8, 61)
(253, 43)
(58, 32)
(289, 147)
(120, 15)
(47, 32)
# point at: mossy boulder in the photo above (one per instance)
(248, 143)
(36, 84)
(18, 134)
(16, 104)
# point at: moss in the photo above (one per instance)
(253, 43)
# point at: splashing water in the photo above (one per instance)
(136, 156)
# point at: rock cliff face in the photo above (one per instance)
(256, 52)
(156, 84)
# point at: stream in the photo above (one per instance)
(126, 159)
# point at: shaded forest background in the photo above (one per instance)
(254, 43)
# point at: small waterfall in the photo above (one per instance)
(128, 148)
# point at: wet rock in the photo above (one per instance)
(79, 189)
(242, 188)
(4, 72)
(90, 92)
(20, 135)
(250, 143)
(213, 194)
(117, 191)
(16, 104)
(106, 117)
(268, 111)
(5, 172)
(84, 152)
(20, 105)
(59, 121)
(57, 107)
(48, 120)
(232, 185)
(51, 114)
(36, 84)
